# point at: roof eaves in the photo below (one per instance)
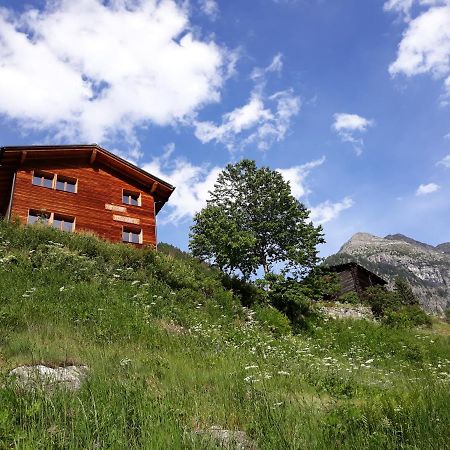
(85, 146)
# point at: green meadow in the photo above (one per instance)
(171, 351)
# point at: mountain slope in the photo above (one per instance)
(426, 267)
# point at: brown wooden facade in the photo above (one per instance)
(356, 278)
(99, 180)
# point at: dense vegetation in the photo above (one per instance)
(171, 350)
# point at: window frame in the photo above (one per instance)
(67, 181)
(43, 175)
(132, 231)
(130, 194)
(51, 217)
(63, 218)
(54, 177)
(38, 214)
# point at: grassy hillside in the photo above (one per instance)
(172, 351)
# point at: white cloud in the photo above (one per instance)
(400, 6)
(405, 7)
(210, 8)
(445, 161)
(425, 45)
(262, 121)
(348, 125)
(94, 69)
(425, 189)
(192, 183)
(297, 175)
(275, 66)
(328, 211)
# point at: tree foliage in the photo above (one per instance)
(252, 221)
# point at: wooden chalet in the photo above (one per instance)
(356, 278)
(81, 188)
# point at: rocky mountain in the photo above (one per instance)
(426, 267)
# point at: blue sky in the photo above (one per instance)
(349, 99)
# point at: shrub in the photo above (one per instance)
(350, 297)
(321, 284)
(379, 299)
(274, 320)
(406, 316)
(398, 308)
(404, 292)
(288, 296)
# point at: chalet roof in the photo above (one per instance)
(12, 157)
(350, 265)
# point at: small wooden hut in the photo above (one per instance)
(356, 278)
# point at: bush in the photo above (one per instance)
(274, 320)
(288, 296)
(398, 308)
(407, 316)
(379, 299)
(350, 297)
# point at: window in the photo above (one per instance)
(38, 217)
(131, 198)
(132, 235)
(63, 223)
(43, 179)
(52, 181)
(66, 184)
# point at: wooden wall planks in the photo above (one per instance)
(97, 187)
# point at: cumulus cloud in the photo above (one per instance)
(260, 122)
(263, 120)
(425, 189)
(349, 126)
(445, 161)
(92, 70)
(425, 44)
(328, 211)
(210, 8)
(297, 176)
(192, 182)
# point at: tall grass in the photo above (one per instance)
(171, 351)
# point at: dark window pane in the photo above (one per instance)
(57, 223)
(60, 185)
(125, 199)
(134, 201)
(48, 182)
(70, 187)
(135, 238)
(37, 180)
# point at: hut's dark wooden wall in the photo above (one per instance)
(97, 187)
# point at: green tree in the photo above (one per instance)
(404, 292)
(252, 222)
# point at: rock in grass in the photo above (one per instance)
(229, 439)
(48, 378)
